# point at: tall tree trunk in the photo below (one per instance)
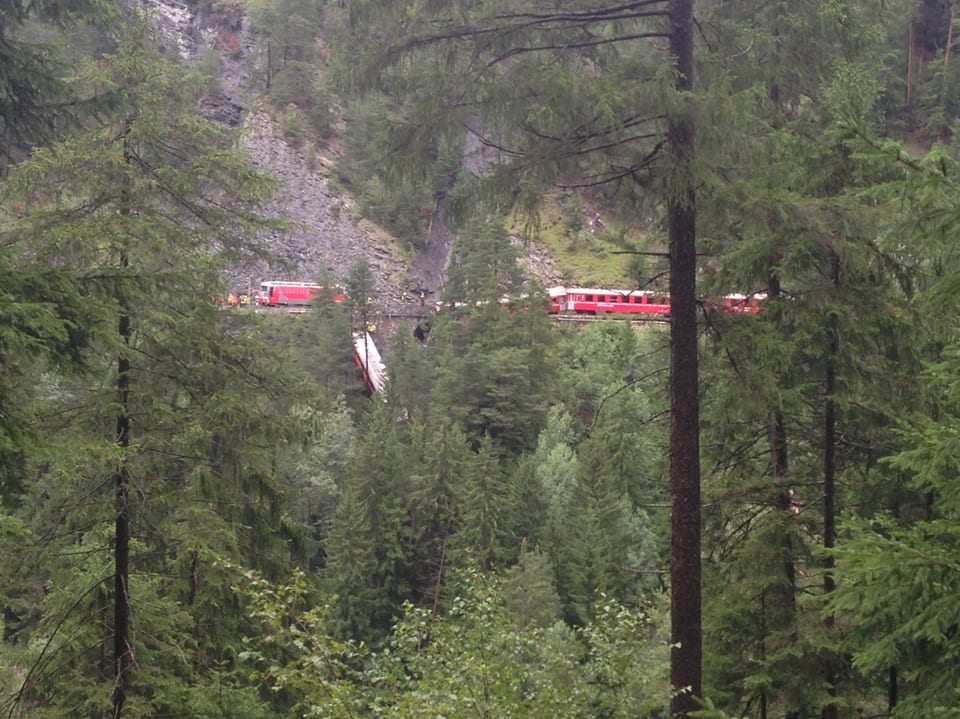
(891, 690)
(779, 469)
(777, 430)
(122, 648)
(830, 710)
(685, 571)
(930, 30)
(122, 645)
(269, 65)
(784, 505)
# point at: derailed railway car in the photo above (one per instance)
(367, 358)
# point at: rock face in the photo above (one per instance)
(327, 236)
(176, 23)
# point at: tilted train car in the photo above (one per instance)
(367, 358)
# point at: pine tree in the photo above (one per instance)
(809, 228)
(369, 548)
(147, 444)
(494, 371)
(435, 507)
(482, 536)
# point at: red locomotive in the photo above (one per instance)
(273, 292)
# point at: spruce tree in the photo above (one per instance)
(435, 508)
(369, 547)
(141, 451)
(482, 537)
(810, 230)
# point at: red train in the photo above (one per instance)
(274, 292)
(563, 300)
(591, 301)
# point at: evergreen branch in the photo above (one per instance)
(487, 142)
(70, 506)
(619, 174)
(467, 32)
(623, 388)
(639, 252)
(18, 696)
(622, 141)
(192, 208)
(581, 134)
(596, 15)
(628, 122)
(574, 45)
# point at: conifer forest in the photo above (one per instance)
(209, 511)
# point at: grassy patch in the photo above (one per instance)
(586, 249)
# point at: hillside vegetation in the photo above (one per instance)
(203, 511)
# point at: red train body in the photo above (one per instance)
(563, 300)
(585, 300)
(592, 301)
(292, 293)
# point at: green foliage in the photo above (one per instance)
(368, 552)
(434, 504)
(35, 95)
(209, 69)
(137, 212)
(529, 594)
(314, 472)
(404, 197)
(897, 594)
(527, 460)
(495, 372)
(294, 655)
(411, 374)
(813, 221)
(482, 498)
(897, 580)
(292, 124)
(296, 86)
(475, 659)
(471, 660)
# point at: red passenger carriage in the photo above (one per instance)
(275, 292)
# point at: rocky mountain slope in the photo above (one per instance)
(327, 234)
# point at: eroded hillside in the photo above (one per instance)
(327, 233)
